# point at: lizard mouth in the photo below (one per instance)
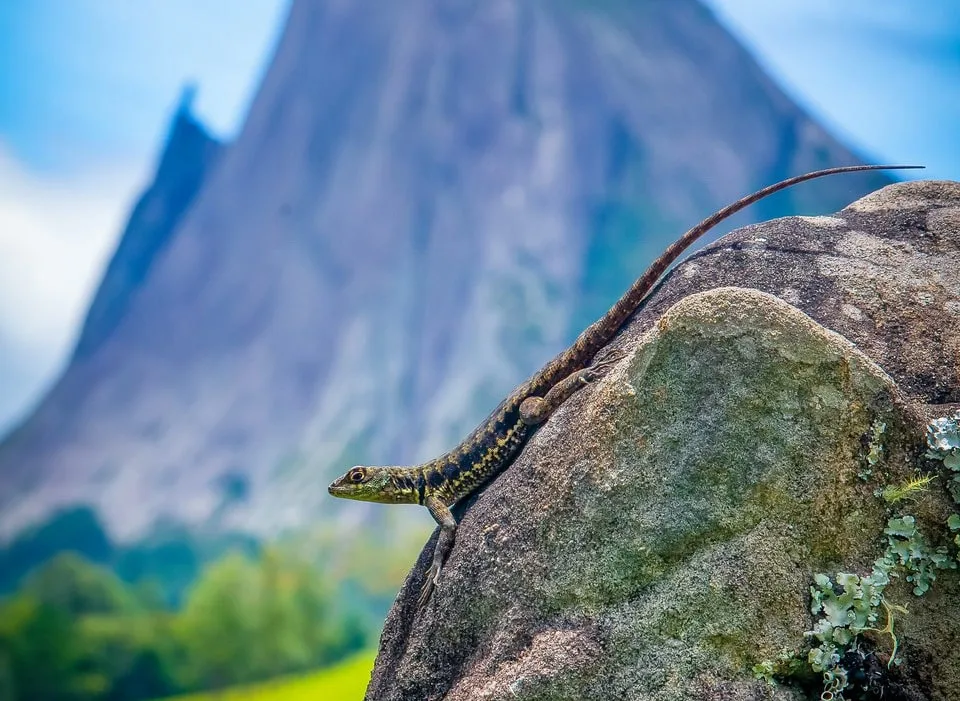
(344, 491)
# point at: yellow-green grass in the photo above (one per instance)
(347, 681)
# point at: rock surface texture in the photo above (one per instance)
(660, 534)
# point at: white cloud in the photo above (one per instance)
(56, 236)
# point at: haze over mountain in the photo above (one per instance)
(428, 200)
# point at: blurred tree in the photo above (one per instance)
(8, 688)
(282, 647)
(174, 557)
(149, 594)
(128, 657)
(218, 626)
(78, 530)
(79, 587)
(41, 651)
(324, 629)
(172, 562)
(76, 632)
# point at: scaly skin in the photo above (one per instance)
(496, 442)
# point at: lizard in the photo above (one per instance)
(493, 445)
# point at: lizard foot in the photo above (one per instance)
(602, 366)
(433, 576)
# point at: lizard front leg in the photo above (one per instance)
(535, 410)
(448, 527)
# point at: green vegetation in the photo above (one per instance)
(171, 558)
(345, 681)
(85, 619)
(943, 443)
(875, 453)
(75, 631)
(908, 490)
(853, 604)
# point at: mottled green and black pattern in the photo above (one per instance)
(451, 477)
(496, 442)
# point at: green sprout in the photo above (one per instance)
(907, 490)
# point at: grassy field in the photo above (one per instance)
(346, 681)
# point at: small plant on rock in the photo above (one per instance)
(943, 443)
(875, 449)
(849, 605)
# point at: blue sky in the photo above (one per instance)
(882, 75)
(87, 88)
(89, 82)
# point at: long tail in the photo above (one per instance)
(598, 334)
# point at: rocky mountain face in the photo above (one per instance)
(188, 156)
(428, 199)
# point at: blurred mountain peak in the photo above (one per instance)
(188, 95)
(189, 153)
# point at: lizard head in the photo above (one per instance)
(385, 485)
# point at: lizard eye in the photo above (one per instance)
(357, 475)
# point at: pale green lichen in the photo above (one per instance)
(943, 438)
(943, 443)
(765, 671)
(852, 605)
(786, 664)
(875, 449)
(845, 609)
(907, 547)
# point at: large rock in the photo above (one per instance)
(660, 534)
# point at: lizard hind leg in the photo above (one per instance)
(535, 410)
